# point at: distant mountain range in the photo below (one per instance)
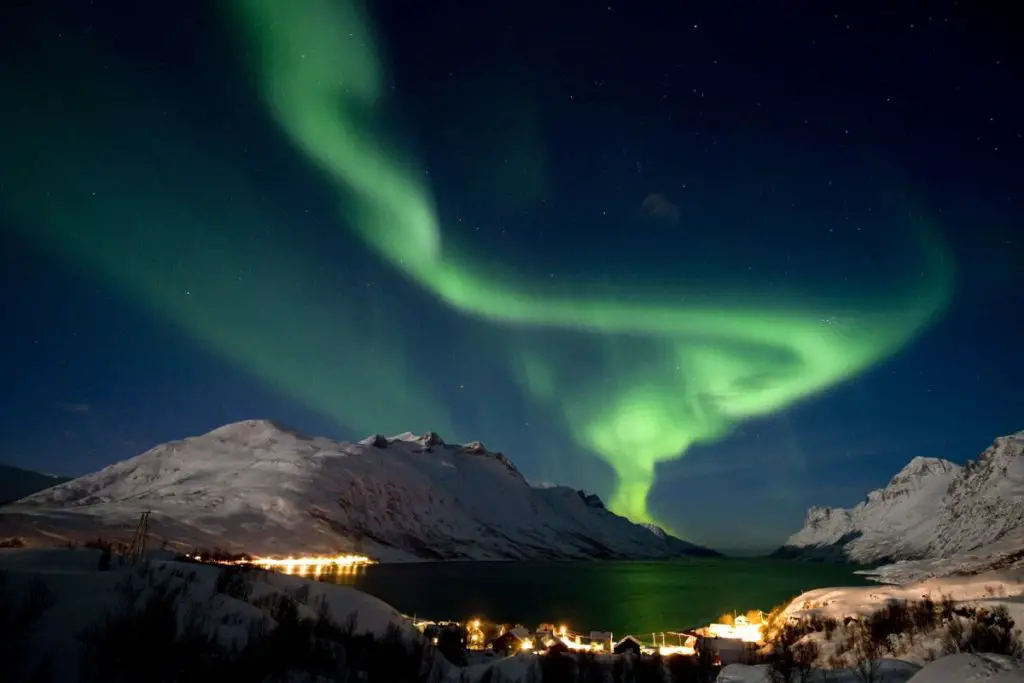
(931, 509)
(16, 483)
(257, 487)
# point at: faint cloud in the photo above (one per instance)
(658, 207)
(78, 408)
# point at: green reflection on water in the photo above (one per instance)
(623, 597)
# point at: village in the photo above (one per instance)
(719, 643)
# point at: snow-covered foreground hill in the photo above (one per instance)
(168, 620)
(933, 510)
(957, 668)
(76, 599)
(256, 487)
(914, 652)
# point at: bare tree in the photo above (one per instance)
(867, 654)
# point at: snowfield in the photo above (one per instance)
(933, 517)
(256, 487)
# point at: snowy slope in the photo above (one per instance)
(84, 597)
(931, 509)
(256, 487)
(16, 483)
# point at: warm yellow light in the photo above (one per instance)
(302, 565)
(745, 631)
(339, 561)
(563, 630)
(574, 645)
(527, 644)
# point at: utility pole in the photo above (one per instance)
(137, 550)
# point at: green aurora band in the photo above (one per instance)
(161, 210)
(711, 366)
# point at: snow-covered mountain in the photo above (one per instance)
(16, 483)
(932, 508)
(257, 487)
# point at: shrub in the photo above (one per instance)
(451, 643)
(946, 608)
(790, 658)
(990, 631)
(558, 667)
(891, 620)
(104, 561)
(98, 543)
(590, 668)
(822, 624)
(20, 612)
(233, 581)
(146, 640)
(924, 615)
(687, 670)
(619, 670)
(866, 652)
(649, 670)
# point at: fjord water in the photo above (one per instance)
(622, 597)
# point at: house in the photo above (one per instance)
(506, 643)
(545, 630)
(601, 640)
(513, 640)
(628, 644)
(520, 632)
(728, 650)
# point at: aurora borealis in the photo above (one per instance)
(295, 206)
(319, 72)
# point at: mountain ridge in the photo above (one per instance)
(17, 482)
(257, 486)
(932, 508)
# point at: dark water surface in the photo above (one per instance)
(623, 597)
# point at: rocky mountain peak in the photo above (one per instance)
(931, 508)
(921, 467)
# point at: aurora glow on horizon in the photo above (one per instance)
(712, 366)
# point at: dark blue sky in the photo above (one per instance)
(782, 141)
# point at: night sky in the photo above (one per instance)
(717, 263)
